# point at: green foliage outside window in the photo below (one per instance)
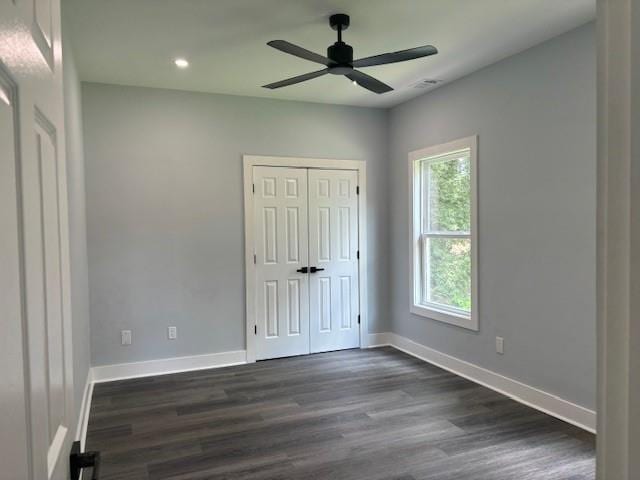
(449, 259)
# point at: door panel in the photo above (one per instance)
(14, 456)
(333, 246)
(36, 406)
(52, 327)
(305, 218)
(42, 28)
(281, 236)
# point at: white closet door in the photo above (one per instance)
(333, 247)
(281, 241)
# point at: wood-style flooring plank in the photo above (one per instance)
(375, 414)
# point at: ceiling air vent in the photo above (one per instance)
(428, 83)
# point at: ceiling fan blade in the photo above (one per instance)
(292, 49)
(394, 57)
(368, 82)
(298, 79)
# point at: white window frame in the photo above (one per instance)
(435, 311)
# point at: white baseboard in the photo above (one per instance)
(545, 402)
(377, 340)
(121, 371)
(85, 408)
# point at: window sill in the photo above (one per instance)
(469, 322)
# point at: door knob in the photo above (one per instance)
(303, 270)
(315, 269)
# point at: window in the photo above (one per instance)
(444, 243)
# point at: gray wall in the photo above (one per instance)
(535, 114)
(77, 223)
(164, 209)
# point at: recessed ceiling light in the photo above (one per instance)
(354, 82)
(181, 63)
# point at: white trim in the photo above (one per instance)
(85, 409)
(121, 371)
(250, 161)
(300, 162)
(443, 315)
(618, 234)
(540, 400)
(375, 340)
(433, 312)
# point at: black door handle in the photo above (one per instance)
(309, 270)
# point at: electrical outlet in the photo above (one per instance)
(172, 333)
(500, 345)
(126, 337)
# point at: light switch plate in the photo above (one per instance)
(126, 337)
(500, 345)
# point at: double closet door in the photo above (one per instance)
(306, 259)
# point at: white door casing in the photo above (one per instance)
(282, 321)
(333, 247)
(36, 403)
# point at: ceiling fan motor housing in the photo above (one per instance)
(341, 56)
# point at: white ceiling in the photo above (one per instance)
(134, 42)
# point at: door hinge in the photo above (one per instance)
(254, 259)
(253, 187)
(358, 254)
(358, 319)
(255, 329)
(358, 190)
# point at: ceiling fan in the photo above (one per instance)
(339, 59)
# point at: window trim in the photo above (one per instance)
(434, 311)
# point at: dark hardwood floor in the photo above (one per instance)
(356, 414)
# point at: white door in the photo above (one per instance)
(281, 255)
(306, 265)
(333, 251)
(36, 390)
